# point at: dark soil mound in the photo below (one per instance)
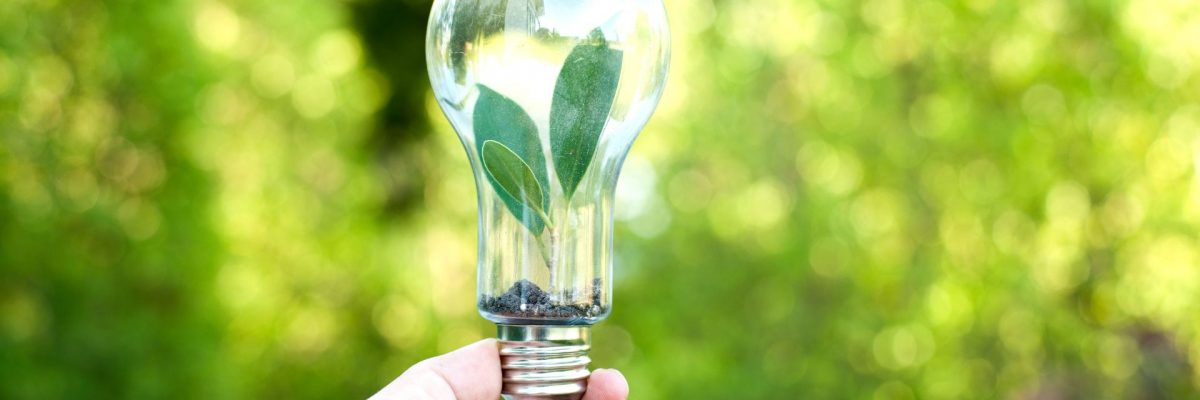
(526, 301)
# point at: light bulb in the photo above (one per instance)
(547, 97)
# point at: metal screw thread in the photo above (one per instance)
(544, 361)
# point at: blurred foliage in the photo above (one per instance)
(836, 199)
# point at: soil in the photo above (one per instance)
(526, 301)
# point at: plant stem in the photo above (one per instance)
(542, 247)
(545, 218)
(552, 263)
(548, 250)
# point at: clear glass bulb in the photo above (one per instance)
(547, 97)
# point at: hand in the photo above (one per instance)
(473, 373)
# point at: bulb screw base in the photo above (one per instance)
(544, 361)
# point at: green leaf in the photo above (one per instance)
(513, 175)
(498, 118)
(583, 97)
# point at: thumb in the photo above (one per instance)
(469, 373)
(606, 384)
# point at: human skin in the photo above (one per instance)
(473, 373)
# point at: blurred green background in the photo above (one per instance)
(877, 199)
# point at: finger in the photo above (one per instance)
(469, 373)
(606, 384)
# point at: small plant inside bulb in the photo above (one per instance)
(510, 151)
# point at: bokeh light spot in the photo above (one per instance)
(80, 188)
(1043, 102)
(1119, 356)
(22, 316)
(837, 172)
(877, 212)
(399, 322)
(1068, 203)
(1014, 58)
(336, 53)
(1167, 160)
(690, 191)
(950, 308)
(1021, 332)
(141, 219)
(273, 75)
(764, 204)
(635, 188)
(612, 346)
(1122, 213)
(904, 346)
(311, 330)
(829, 257)
(1012, 232)
(216, 26)
(697, 17)
(314, 97)
(981, 181)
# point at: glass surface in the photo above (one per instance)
(528, 125)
